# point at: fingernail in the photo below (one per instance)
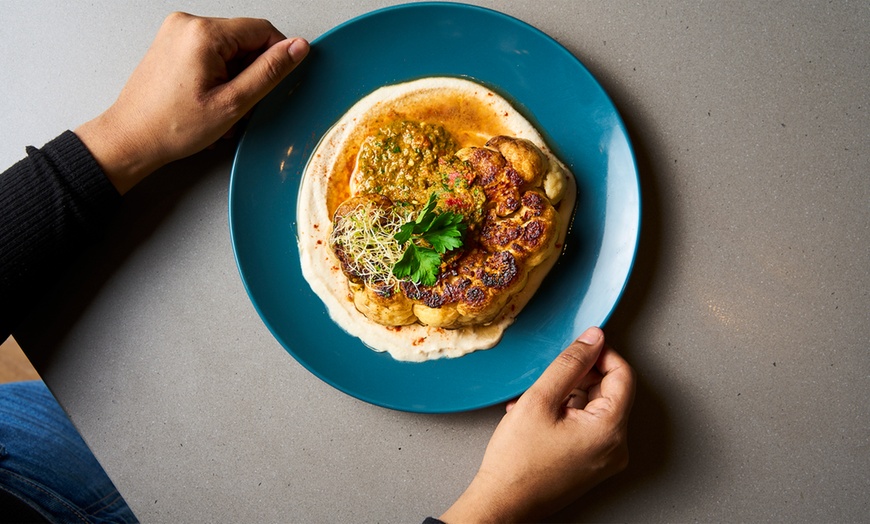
(298, 49)
(590, 336)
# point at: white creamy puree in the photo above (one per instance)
(321, 268)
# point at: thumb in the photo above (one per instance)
(267, 71)
(572, 364)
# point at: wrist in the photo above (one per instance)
(124, 160)
(486, 501)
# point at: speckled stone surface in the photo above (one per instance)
(746, 317)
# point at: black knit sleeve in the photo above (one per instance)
(53, 204)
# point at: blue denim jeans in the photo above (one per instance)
(45, 464)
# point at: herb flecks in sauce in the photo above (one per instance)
(408, 162)
(458, 192)
(401, 160)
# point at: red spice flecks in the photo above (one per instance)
(394, 328)
(419, 341)
(456, 175)
(316, 226)
(456, 203)
(319, 242)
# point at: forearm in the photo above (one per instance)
(53, 204)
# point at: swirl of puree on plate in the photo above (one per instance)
(428, 216)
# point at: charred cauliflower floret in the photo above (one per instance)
(502, 193)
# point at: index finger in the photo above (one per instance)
(566, 371)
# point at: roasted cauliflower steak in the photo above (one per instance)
(516, 229)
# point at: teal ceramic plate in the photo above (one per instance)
(545, 82)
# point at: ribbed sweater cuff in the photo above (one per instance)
(89, 187)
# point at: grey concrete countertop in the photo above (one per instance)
(746, 316)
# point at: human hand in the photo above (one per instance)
(200, 77)
(564, 435)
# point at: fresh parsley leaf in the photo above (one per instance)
(426, 212)
(405, 232)
(407, 264)
(420, 263)
(445, 232)
(428, 264)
